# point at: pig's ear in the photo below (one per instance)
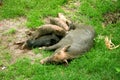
(65, 48)
(62, 17)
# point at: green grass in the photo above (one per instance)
(11, 31)
(44, 52)
(34, 11)
(98, 64)
(5, 56)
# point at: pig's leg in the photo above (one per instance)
(46, 60)
(53, 47)
(48, 29)
(59, 56)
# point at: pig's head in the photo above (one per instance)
(58, 57)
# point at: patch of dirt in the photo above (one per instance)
(111, 17)
(8, 39)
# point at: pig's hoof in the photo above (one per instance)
(42, 48)
(42, 62)
(66, 32)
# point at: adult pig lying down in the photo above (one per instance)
(74, 44)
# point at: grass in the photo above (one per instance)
(98, 64)
(11, 31)
(5, 56)
(34, 11)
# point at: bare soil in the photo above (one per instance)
(111, 17)
(8, 39)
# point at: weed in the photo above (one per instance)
(36, 50)
(11, 31)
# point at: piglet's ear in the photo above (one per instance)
(62, 17)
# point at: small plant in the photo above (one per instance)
(117, 70)
(36, 50)
(11, 31)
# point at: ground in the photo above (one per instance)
(14, 30)
(11, 32)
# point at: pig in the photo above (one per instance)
(76, 43)
(46, 35)
(59, 22)
(48, 29)
(46, 40)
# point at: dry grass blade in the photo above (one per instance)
(109, 44)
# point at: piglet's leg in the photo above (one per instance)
(53, 47)
(45, 60)
(48, 29)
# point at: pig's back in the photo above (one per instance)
(82, 40)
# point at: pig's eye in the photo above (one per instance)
(55, 58)
(59, 53)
